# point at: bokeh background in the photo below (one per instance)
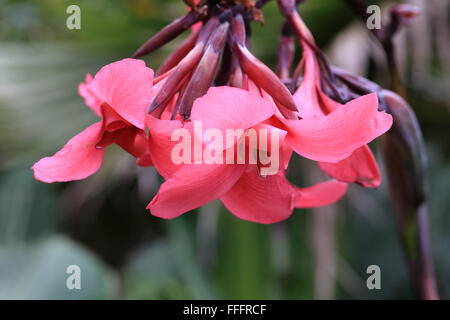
(101, 223)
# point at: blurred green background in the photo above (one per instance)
(101, 223)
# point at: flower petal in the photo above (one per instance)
(78, 159)
(193, 186)
(227, 108)
(91, 100)
(361, 168)
(134, 141)
(263, 200)
(161, 144)
(321, 194)
(334, 137)
(126, 86)
(271, 143)
(306, 96)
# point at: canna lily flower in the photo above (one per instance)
(176, 105)
(356, 123)
(360, 166)
(343, 134)
(241, 187)
(330, 139)
(318, 195)
(119, 93)
(249, 98)
(192, 185)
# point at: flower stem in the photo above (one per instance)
(405, 157)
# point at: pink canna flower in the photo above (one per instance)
(328, 136)
(192, 185)
(359, 166)
(120, 93)
(356, 123)
(249, 98)
(320, 194)
(241, 187)
(335, 137)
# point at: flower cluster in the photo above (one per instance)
(214, 80)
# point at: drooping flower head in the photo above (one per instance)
(119, 93)
(359, 119)
(217, 123)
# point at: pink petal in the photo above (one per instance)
(197, 26)
(91, 100)
(334, 137)
(225, 108)
(78, 159)
(327, 104)
(263, 200)
(111, 119)
(306, 96)
(321, 194)
(361, 167)
(309, 97)
(193, 186)
(284, 152)
(134, 141)
(126, 86)
(161, 144)
(145, 160)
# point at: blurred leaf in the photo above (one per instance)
(244, 260)
(180, 233)
(39, 272)
(27, 212)
(38, 93)
(152, 274)
(299, 282)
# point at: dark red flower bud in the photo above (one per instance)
(286, 7)
(176, 56)
(258, 71)
(204, 73)
(359, 84)
(174, 80)
(286, 52)
(167, 34)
